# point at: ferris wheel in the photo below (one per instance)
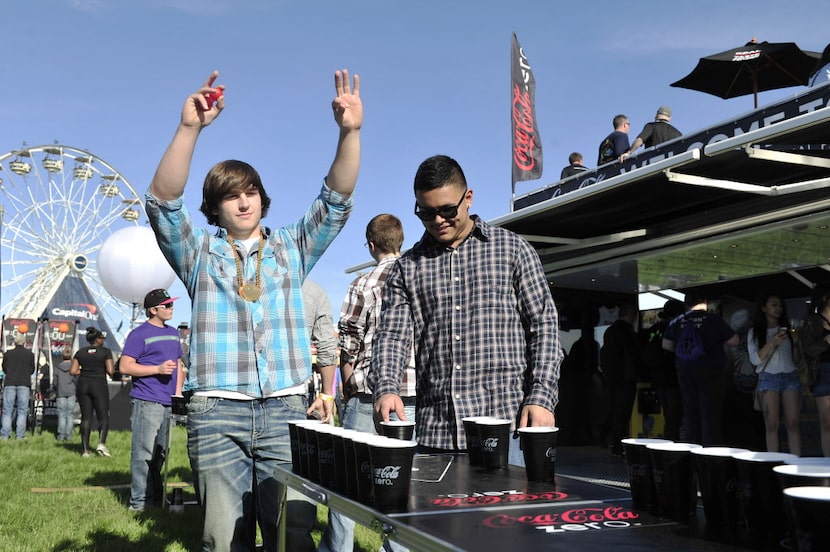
(58, 204)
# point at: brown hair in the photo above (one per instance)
(386, 232)
(228, 177)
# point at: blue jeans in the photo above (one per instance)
(357, 415)
(149, 447)
(234, 448)
(66, 414)
(14, 394)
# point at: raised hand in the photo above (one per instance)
(200, 110)
(348, 109)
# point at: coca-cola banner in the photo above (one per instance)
(13, 327)
(527, 144)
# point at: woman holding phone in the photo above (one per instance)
(771, 346)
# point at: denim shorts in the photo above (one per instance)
(822, 386)
(786, 381)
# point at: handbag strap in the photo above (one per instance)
(765, 362)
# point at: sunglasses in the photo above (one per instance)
(447, 212)
(167, 306)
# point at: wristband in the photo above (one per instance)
(324, 397)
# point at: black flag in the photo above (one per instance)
(527, 144)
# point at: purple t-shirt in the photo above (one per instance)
(150, 345)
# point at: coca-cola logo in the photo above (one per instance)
(550, 453)
(577, 519)
(326, 456)
(388, 472)
(387, 475)
(524, 139)
(489, 444)
(639, 471)
(496, 497)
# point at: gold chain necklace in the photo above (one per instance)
(248, 291)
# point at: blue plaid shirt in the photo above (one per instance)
(259, 347)
(485, 331)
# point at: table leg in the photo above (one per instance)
(281, 523)
(170, 423)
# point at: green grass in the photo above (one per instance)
(77, 516)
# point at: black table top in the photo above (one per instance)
(455, 506)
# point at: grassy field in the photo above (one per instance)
(51, 499)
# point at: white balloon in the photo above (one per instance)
(130, 264)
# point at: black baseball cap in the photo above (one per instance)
(157, 297)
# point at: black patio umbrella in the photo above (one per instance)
(752, 68)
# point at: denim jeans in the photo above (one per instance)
(149, 447)
(234, 447)
(14, 394)
(66, 414)
(357, 415)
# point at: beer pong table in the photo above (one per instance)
(454, 507)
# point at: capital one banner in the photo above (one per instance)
(527, 144)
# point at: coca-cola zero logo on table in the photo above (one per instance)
(488, 498)
(576, 519)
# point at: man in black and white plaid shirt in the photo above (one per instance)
(474, 300)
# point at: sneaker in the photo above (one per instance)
(85, 454)
(103, 450)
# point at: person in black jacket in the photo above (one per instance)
(662, 371)
(575, 166)
(620, 359)
(18, 365)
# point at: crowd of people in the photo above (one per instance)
(697, 391)
(616, 146)
(462, 324)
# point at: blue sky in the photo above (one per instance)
(110, 76)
